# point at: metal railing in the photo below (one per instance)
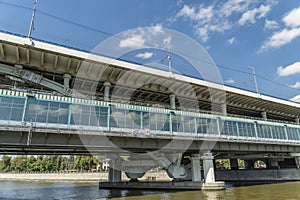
(48, 110)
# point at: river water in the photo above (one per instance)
(69, 190)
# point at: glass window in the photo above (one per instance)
(11, 108)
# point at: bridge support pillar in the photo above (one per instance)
(208, 166)
(248, 164)
(67, 78)
(264, 115)
(172, 101)
(196, 171)
(234, 164)
(114, 175)
(107, 86)
(224, 109)
(297, 159)
(297, 119)
(273, 163)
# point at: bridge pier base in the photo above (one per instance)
(208, 166)
(196, 171)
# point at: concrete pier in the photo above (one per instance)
(258, 175)
(185, 185)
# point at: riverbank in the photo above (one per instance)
(78, 177)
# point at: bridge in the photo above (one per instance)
(57, 100)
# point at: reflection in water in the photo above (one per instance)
(68, 190)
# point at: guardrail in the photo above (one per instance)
(44, 110)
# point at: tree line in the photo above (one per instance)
(49, 163)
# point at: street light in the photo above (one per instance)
(32, 19)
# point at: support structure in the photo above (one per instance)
(224, 109)
(107, 86)
(248, 164)
(297, 159)
(114, 175)
(35, 78)
(264, 115)
(234, 164)
(208, 166)
(273, 163)
(297, 120)
(172, 101)
(196, 170)
(67, 78)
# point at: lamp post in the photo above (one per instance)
(254, 78)
(32, 19)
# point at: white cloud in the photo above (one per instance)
(290, 32)
(252, 15)
(292, 19)
(296, 99)
(296, 85)
(289, 70)
(186, 11)
(157, 29)
(220, 17)
(145, 55)
(135, 41)
(230, 81)
(232, 6)
(271, 24)
(231, 40)
(280, 38)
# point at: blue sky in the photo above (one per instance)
(236, 33)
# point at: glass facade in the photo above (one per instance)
(46, 111)
(11, 108)
(30, 109)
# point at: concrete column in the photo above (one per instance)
(67, 78)
(248, 164)
(224, 109)
(107, 86)
(172, 101)
(273, 163)
(208, 165)
(196, 171)
(114, 175)
(297, 120)
(264, 115)
(297, 159)
(234, 164)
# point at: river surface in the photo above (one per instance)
(69, 190)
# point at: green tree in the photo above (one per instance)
(19, 164)
(5, 164)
